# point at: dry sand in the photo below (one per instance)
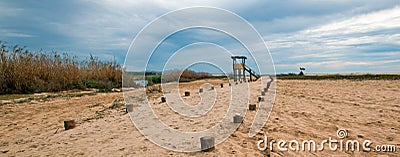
(304, 109)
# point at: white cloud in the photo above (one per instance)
(311, 32)
(341, 44)
(14, 33)
(380, 20)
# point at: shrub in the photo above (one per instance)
(154, 80)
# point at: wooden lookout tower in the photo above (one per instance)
(240, 68)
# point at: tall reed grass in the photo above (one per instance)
(23, 71)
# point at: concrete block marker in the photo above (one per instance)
(252, 107)
(263, 93)
(201, 90)
(265, 89)
(163, 99)
(207, 143)
(237, 118)
(128, 108)
(69, 124)
(187, 93)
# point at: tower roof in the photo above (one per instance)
(238, 57)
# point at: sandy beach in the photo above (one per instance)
(303, 109)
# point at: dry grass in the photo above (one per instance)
(23, 71)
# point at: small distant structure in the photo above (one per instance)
(240, 68)
(141, 83)
(301, 70)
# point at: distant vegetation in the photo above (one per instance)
(294, 76)
(189, 75)
(23, 71)
(174, 75)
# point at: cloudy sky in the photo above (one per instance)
(330, 36)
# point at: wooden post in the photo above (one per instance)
(243, 70)
(128, 108)
(260, 99)
(237, 119)
(187, 93)
(222, 85)
(207, 143)
(230, 84)
(268, 84)
(212, 88)
(69, 124)
(234, 69)
(252, 107)
(201, 90)
(163, 99)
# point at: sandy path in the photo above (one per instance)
(303, 110)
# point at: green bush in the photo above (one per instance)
(154, 80)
